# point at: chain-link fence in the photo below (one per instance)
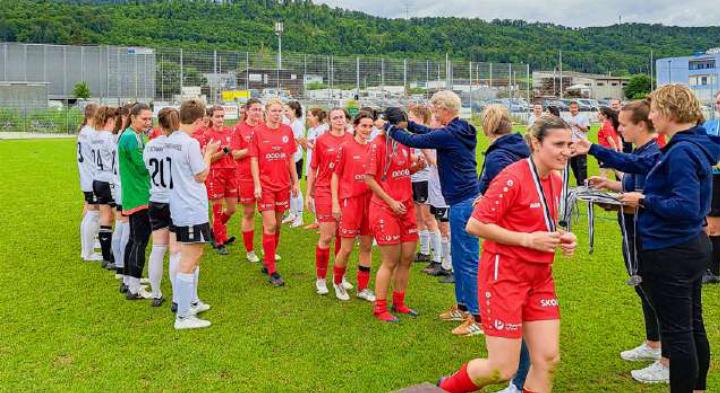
(166, 76)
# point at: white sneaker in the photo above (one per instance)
(341, 293)
(654, 373)
(277, 257)
(366, 294)
(191, 322)
(94, 257)
(142, 293)
(346, 284)
(145, 281)
(321, 287)
(252, 257)
(290, 218)
(197, 308)
(510, 389)
(641, 353)
(297, 223)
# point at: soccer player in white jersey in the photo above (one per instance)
(157, 161)
(189, 210)
(102, 153)
(121, 235)
(91, 216)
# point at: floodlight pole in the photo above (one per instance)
(279, 32)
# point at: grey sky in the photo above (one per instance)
(578, 13)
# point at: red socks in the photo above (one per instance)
(399, 303)
(363, 278)
(459, 382)
(322, 259)
(219, 229)
(268, 241)
(338, 273)
(224, 218)
(248, 238)
(381, 312)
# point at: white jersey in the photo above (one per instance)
(312, 136)
(84, 158)
(298, 127)
(435, 196)
(103, 150)
(117, 191)
(157, 163)
(188, 197)
(421, 175)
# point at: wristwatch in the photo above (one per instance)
(226, 150)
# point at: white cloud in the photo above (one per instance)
(578, 13)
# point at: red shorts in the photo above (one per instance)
(323, 208)
(246, 192)
(278, 201)
(222, 183)
(511, 291)
(390, 228)
(355, 220)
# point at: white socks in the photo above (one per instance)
(184, 282)
(436, 246)
(196, 279)
(447, 258)
(133, 284)
(299, 202)
(117, 234)
(172, 272)
(89, 228)
(425, 242)
(155, 268)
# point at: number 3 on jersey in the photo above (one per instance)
(159, 171)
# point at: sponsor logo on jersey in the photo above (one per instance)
(545, 303)
(285, 139)
(400, 173)
(535, 205)
(275, 156)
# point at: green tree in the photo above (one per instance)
(638, 86)
(81, 90)
(168, 78)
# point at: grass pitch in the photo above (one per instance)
(65, 327)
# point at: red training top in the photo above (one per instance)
(241, 139)
(512, 202)
(391, 170)
(154, 133)
(199, 135)
(274, 149)
(224, 135)
(351, 167)
(323, 159)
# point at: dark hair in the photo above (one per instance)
(103, 114)
(137, 108)
(553, 110)
(362, 115)
(211, 112)
(169, 119)
(252, 102)
(191, 111)
(88, 113)
(319, 113)
(639, 112)
(543, 124)
(123, 113)
(611, 115)
(296, 107)
(372, 111)
(573, 103)
(344, 111)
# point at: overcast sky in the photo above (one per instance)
(578, 13)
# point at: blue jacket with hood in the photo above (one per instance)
(504, 151)
(455, 144)
(678, 190)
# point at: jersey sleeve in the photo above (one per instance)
(195, 157)
(253, 146)
(318, 150)
(339, 162)
(498, 198)
(374, 165)
(292, 147)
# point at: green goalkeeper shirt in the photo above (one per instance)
(134, 176)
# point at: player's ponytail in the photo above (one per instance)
(169, 120)
(88, 114)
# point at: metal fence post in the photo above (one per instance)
(181, 72)
(247, 71)
(405, 86)
(527, 81)
(382, 78)
(357, 77)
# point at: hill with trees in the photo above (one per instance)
(313, 28)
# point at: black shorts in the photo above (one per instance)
(299, 168)
(193, 234)
(715, 204)
(440, 213)
(159, 215)
(103, 193)
(89, 197)
(420, 192)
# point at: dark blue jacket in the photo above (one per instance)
(678, 190)
(636, 164)
(455, 144)
(503, 152)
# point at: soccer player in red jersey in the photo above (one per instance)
(274, 177)
(241, 140)
(392, 221)
(222, 180)
(199, 133)
(517, 217)
(351, 208)
(318, 191)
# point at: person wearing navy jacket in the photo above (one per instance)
(712, 276)
(636, 128)
(675, 249)
(456, 144)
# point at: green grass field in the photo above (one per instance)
(65, 327)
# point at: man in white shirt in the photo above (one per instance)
(579, 124)
(536, 113)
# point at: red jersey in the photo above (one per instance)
(512, 202)
(351, 167)
(391, 169)
(224, 135)
(241, 139)
(154, 133)
(661, 141)
(323, 159)
(199, 135)
(274, 149)
(606, 132)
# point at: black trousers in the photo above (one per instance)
(578, 164)
(652, 329)
(140, 231)
(672, 278)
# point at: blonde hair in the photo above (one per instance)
(273, 101)
(496, 120)
(677, 102)
(421, 112)
(446, 99)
